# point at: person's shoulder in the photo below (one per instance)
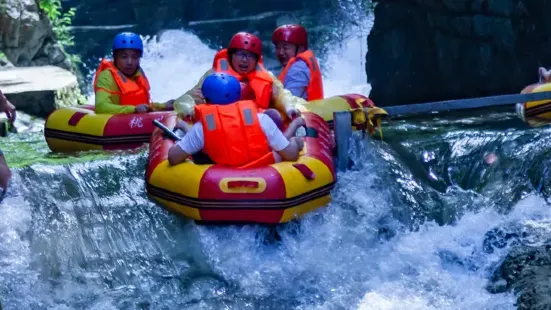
(299, 68)
(263, 118)
(106, 81)
(300, 65)
(105, 78)
(196, 131)
(197, 126)
(265, 121)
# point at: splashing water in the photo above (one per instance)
(175, 60)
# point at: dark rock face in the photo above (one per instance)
(27, 38)
(432, 50)
(527, 271)
(169, 13)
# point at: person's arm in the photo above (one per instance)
(7, 107)
(545, 74)
(162, 106)
(190, 144)
(293, 126)
(287, 149)
(184, 105)
(297, 79)
(5, 172)
(291, 152)
(107, 102)
(284, 101)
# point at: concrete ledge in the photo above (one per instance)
(39, 90)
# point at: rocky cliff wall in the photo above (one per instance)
(26, 36)
(429, 50)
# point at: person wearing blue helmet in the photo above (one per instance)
(120, 85)
(231, 131)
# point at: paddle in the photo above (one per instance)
(169, 133)
(464, 104)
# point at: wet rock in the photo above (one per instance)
(526, 271)
(26, 36)
(5, 64)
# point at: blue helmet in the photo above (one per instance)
(128, 40)
(221, 88)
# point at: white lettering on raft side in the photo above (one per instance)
(154, 155)
(327, 155)
(155, 151)
(136, 121)
(155, 148)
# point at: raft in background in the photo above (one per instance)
(535, 113)
(74, 129)
(354, 103)
(273, 194)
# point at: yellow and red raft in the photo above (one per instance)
(277, 193)
(73, 129)
(535, 113)
(355, 103)
(273, 194)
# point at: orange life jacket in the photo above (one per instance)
(256, 85)
(315, 85)
(233, 135)
(132, 91)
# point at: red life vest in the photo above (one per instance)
(255, 85)
(233, 135)
(315, 85)
(132, 91)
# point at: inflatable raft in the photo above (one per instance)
(81, 129)
(535, 113)
(350, 102)
(273, 194)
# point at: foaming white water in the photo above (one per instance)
(175, 60)
(334, 259)
(345, 65)
(447, 267)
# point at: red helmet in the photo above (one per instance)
(246, 41)
(294, 34)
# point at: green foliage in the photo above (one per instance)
(60, 21)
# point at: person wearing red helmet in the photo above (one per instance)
(227, 137)
(301, 72)
(243, 60)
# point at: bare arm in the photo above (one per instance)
(292, 129)
(191, 143)
(176, 155)
(7, 107)
(291, 152)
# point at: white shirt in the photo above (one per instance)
(194, 140)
